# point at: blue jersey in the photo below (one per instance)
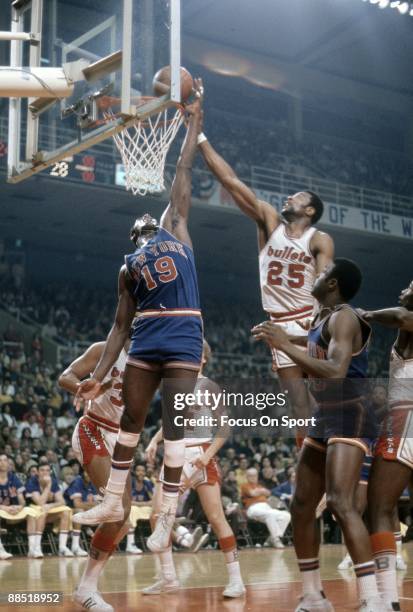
(168, 325)
(10, 489)
(33, 485)
(317, 346)
(164, 275)
(143, 494)
(78, 488)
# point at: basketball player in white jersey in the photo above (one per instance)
(393, 461)
(93, 441)
(292, 252)
(201, 473)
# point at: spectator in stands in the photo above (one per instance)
(44, 492)
(65, 420)
(254, 498)
(285, 491)
(12, 505)
(241, 472)
(7, 417)
(268, 476)
(142, 487)
(49, 438)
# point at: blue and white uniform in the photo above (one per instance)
(343, 413)
(168, 326)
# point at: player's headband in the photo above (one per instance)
(143, 228)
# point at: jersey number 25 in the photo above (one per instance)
(295, 274)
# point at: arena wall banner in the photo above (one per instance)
(334, 216)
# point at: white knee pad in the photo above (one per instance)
(174, 453)
(128, 439)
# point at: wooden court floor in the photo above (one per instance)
(271, 577)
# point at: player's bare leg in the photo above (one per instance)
(139, 386)
(166, 578)
(210, 498)
(361, 505)
(386, 484)
(310, 487)
(174, 457)
(343, 466)
(292, 380)
(104, 541)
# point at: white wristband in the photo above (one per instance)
(201, 138)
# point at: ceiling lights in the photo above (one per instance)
(403, 6)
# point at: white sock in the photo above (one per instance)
(387, 576)
(32, 541)
(398, 538)
(130, 538)
(75, 539)
(167, 565)
(234, 571)
(89, 580)
(366, 580)
(63, 539)
(1, 545)
(118, 477)
(38, 541)
(310, 575)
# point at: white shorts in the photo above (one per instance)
(90, 440)
(296, 328)
(193, 476)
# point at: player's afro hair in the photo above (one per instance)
(348, 276)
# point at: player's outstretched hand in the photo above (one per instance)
(88, 389)
(195, 108)
(271, 333)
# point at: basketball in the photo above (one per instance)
(162, 82)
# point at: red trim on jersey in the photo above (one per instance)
(292, 315)
(402, 404)
(105, 423)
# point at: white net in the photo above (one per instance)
(143, 148)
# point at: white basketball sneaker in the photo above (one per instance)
(132, 549)
(162, 586)
(346, 563)
(91, 601)
(109, 511)
(314, 602)
(79, 552)
(161, 535)
(234, 589)
(65, 552)
(4, 554)
(373, 604)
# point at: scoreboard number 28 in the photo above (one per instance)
(60, 169)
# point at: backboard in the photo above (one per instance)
(96, 47)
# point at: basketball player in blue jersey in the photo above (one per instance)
(157, 285)
(334, 450)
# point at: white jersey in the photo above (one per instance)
(400, 381)
(287, 274)
(107, 409)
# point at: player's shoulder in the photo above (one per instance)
(345, 315)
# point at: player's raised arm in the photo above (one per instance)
(89, 389)
(175, 217)
(343, 327)
(322, 247)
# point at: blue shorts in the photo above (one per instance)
(170, 341)
(351, 422)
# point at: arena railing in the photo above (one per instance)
(262, 177)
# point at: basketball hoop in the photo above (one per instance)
(144, 145)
